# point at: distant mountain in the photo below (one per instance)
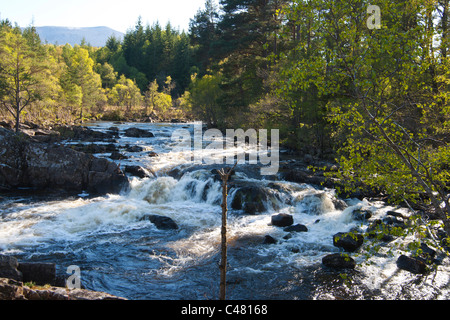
(95, 36)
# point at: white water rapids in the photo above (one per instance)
(120, 252)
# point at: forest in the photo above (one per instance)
(374, 99)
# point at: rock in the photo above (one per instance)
(15, 290)
(378, 229)
(250, 199)
(38, 273)
(95, 148)
(395, 214)
(161, 222)
(339, 204)
(138, 133)
(412, 265)
(44, 167)
(296, 228)
(137, 171)
(282, 220)
(348, 241)
(117, 156)
(83, 134)
(361, 215)
(8, 268)
(339, 261)
(134, 148)
(11, 289)
(269, 240)
(394, 221)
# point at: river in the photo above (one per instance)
(121, 253)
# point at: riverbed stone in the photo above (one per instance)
(296, 228)
(26, 163)
(250, 199)
(161, 222)
(269, 240)
(38, 273)
(138, 133)
(339, 261)
(8, 268)
(15, 290)
(412, 265)
(282, 220)
(349, 241)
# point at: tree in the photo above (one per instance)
(203, 33)
(225, 176)
(158, 101)
(204, 94)
(386, 91)
(20, 68)
(80, 73)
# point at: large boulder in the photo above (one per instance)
(412, 265)
(349, 241)
(339, 261)
(138, 133)
(83, 134)
(8, 268)
(15, 290)
(250, 199)
(38, 273)
(161, 222)
(25, 163)
(282, 220)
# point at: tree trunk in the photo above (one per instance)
(223, 260)
(225, 176)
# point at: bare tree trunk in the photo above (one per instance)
(225, 176)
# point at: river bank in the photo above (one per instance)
(324, 251)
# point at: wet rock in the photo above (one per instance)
(8, 268)
(38, 273)
(302, 175)
(361, 215)
(381, 231)
(296, 228)
(138, 133)
(15, 290)
(83, 134)
(137, 171)
(339, 261)
(350, 241)
(394, 221)
(250, 199)
(269, 240)
(412, 265)
(161, 222)
(44, 167)
(11, 289)
(395, 214)
(117, 156)
(95, 148)
(134, 148)
(282, 220)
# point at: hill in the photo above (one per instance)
(95, 36)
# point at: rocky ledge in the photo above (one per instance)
(26, 163)
(15, 290)
(39, 281)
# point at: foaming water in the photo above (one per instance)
(121, 252)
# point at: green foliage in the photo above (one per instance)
(204, 94)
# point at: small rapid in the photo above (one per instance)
(121, 252)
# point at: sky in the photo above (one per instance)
(119, 15)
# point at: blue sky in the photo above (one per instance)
(119, 15)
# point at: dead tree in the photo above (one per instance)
(225, 176)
